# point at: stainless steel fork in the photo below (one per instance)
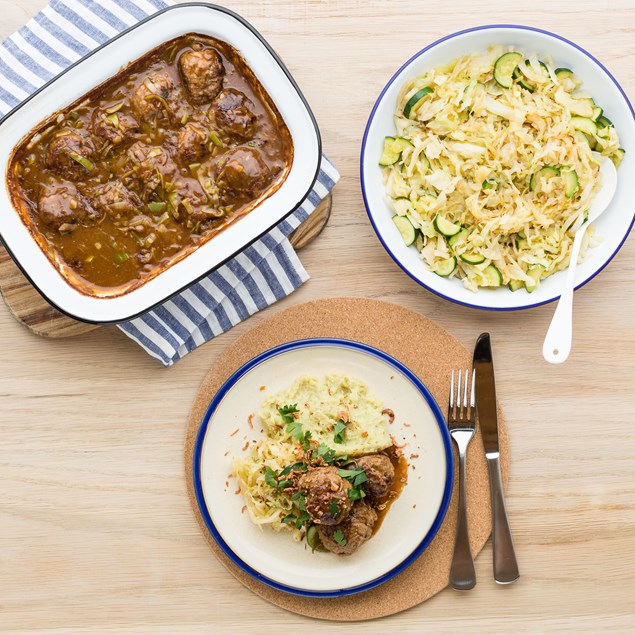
(462, 424)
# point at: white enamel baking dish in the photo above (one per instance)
(98, 66)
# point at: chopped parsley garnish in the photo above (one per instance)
(338, 536)
(334, 508)
(287, 411)
(326, 453)
(340, 431)
(356, 476)
(270, 477)
(302, 520)
(356, 494)
(300, 467)
(277, 480)
(294, 428)
(300, 501)
(305, 440)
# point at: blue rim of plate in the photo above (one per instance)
(358, 347)
(372, 116)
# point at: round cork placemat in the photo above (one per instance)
(431, 353)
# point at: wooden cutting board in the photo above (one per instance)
(33, 311)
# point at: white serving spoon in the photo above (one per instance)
(557, 344)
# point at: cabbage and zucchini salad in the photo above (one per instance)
(494, 166)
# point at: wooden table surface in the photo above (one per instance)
(96, 531)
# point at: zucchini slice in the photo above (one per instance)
(514, 285)
(535, 273)
(523, 84)
(603, 133)
(413, 102)
(546, 172)
(462, 235)
(620, 152)
(584, 124)
(420, 241)
(445, 227)
(489, 184)
(522, 80)
(570, 177)
(544, 69)
(603, 122)
(472, 258)
(393, 147)
(401, 205)
(586, 138)
(504, 68)
(423, 203)
(446, 267)
(493, 277)
(563, 73)
(583, 107)
(406, 229)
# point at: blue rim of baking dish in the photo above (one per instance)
(110, 41)
(372, 116)
(355, 346)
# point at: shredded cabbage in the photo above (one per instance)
(265, 504)
(471, 149)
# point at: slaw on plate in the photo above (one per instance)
(494, 165)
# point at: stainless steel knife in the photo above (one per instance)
(505, 564)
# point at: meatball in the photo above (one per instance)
(69, 155)
(150, 97)
(327, 500)
(150, 163)
(232, 113)
(202, 72)
(61, 206)
(379, 472)
(113, 128)
(191, 201)
(355, 530)
(191, 143)
(114, 198)
(241, 173)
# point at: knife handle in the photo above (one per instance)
(505, 564)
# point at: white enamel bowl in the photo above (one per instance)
(614, 225)
(99, 66)
(274, 557)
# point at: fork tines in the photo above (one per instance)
(461, 407)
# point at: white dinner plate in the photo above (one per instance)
(274, 557)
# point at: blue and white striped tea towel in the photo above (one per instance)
(265, 272)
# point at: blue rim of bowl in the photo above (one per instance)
(308, 343)
(372, 116)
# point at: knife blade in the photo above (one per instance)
(485, 389)
(505, 563)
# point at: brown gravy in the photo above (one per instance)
(159, 159)
(383, 504)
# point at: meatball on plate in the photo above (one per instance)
(153, 161)
(328, 495)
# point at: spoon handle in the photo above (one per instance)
(557, 345)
